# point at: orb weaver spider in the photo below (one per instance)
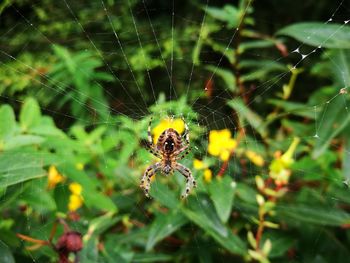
(170, 148)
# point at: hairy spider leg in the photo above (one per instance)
(150, 141)
(181, 153)
(146, 178)
(190, 181)
(186, 134)
(186, 149)
(150, 146)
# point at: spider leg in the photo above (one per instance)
(146, 178)
(153, 151)
(190, 181)
(186, 134)
(150, 146)
(150, 141)
(183, 152)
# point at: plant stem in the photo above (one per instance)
(260, 231)
(236, 71)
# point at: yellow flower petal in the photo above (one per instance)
(75, 202)
(198, 164)
(75, 188)
(287, 157)
(213, 136)
(221, 144)
(213, 149)
(231, 144)
(279, 167)
(54, 177)
(255, 158)
(225, 134)
(167, 123)
(208, 175)
(225, 155)
(178, 125)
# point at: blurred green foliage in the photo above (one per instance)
(79, 81)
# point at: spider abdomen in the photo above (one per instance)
(169, 141)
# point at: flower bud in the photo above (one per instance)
(70, 241)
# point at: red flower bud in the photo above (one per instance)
(70, 242)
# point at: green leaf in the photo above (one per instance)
(341, 73)
(305, 163)
(98, 200)
(319, 215)
(228, 52)
(163, 195)
(22, 140)
(38, 198)
(246, 193)
(280, 243)
(100, 224)
(226, 75)
(11, 195)
(66, 57)
(340, 193)
(297, 128)
(333, 121)
(222, 192)
(92, 197)
(7, 121)
(5, 254)
(47, 127)
(228, 14)
(319, 34)
(153, 258)
(163, 226)
(260, 70)
(201, 211)
(90, 254)
(117, 253)
(298, 109)
(250, 116)
(30, 114)
(255, 44)
(346, 160)
(128, 144)
(17, 167)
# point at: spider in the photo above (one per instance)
(170, 148)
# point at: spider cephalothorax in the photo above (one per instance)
(170, 148)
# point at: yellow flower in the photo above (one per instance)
(75, 188)
(279, 168)
(221, 144)
(79, 166)
(208, 175)
(225, 155)
(54, 177)
(167, 123)
(75, 202)
(255, 158)
(198, 164)
(287, 157)
(75, 199)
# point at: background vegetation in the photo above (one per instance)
(263, 86)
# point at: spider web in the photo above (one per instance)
(172, 85)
